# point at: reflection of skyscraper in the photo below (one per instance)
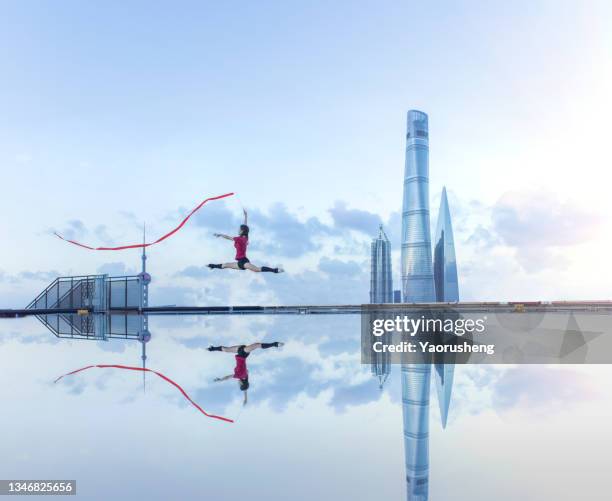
(417, 287)
(447, 290)
(415, 407)
(381, 285)
(381, 291)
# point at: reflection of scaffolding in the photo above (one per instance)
(80, 307)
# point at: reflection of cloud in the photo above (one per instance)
(44, 337)
(359, 394)
(535, 388)
(194, 342)
(112, 345)
(321, 356)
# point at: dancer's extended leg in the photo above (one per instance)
(263, 269)
(233, 266)
(264, 346)
(226, 349)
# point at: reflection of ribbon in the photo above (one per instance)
(167, 379)
(160, 239)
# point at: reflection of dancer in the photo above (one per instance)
(240, 243)
(242, 352)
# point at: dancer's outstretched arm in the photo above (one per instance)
(227, 237)
(245, 215)
(224, 378)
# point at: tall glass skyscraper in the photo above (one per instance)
(381, 291)
(447, 290)
(445, 263)
(417, 287)
(417, 275)
(381, 282)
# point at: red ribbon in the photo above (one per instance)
(160, 239)
(165, 378)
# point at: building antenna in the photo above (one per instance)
(145, 302)
(382, 233)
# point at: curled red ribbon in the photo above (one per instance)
(160, 239)
(165, 378)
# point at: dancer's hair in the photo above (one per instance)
(244, 230)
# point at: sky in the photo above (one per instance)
(116, 114)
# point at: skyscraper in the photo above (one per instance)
(417, 287)
(445, 263)
(447, 290)
(381, 282)
(381, 291)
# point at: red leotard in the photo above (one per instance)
(241, 244)
(240, 371)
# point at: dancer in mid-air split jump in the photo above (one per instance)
(242, 351)
(240, 243)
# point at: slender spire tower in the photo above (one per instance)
(445, 262)
(417, 287)
(447, 291)
(144, 336)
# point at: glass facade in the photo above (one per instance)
(447, 290)
(415, 407)
(417, 287)
(381, 291)
(445, 263)
(417, 274)
(381, 283)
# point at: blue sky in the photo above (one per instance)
(116, 113)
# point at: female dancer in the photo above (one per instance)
(240, 371)
(240, 243)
